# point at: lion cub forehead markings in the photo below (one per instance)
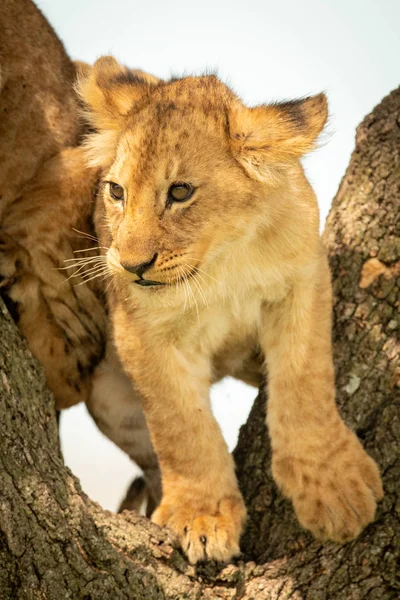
(264, 141)
(205, 93)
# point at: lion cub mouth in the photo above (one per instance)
(148, 282)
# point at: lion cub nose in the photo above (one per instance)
(140, 269)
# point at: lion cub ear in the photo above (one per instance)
(268, 138)
(108, 91)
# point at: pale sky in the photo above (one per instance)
(266, 50)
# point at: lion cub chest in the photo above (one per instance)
(225, 335)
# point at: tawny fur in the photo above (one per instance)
(47, 196)
(247, 292)
(37, 103)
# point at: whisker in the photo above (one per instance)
(204, 282)
(86, 259)
(194, 298)
(202, 271)
(181, 285)
(95, 269)
(74, 274)
(90, 249)
(78, 274)
(187, 296)
(104, 273)
(82, 270)
(83, 261)
(81, 266)
(86, 235)
(198, 274)
(198, 287)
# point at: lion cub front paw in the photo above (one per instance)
(335, 498)
(208, 531)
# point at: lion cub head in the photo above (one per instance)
(187, 169)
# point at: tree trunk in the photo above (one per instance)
(56, 543)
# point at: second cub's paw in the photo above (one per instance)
(12, 259)
(205, 532)
(335, 498)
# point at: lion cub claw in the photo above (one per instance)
(205, 534)
(334, 499)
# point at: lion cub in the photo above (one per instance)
(211, 230)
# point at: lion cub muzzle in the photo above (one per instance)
(140, 270)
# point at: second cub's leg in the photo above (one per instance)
(201, 501)
(316, 460)
(116, 408)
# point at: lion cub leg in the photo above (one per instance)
(201, 501)
(316, 460)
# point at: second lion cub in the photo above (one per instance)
(211, 231)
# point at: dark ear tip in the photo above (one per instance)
(322, 99)
(318, 102)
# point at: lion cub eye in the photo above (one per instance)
(179, 192)
(116, 191)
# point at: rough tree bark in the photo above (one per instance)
(56, 543)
